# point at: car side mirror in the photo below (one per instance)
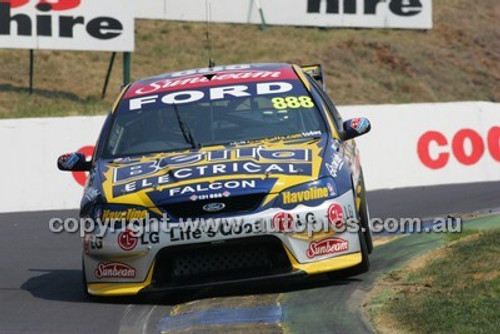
(73, 162)
(356, 127)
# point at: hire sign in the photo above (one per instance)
(67, 25)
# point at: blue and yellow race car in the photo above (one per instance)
(221, 176)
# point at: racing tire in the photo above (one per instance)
(364, 217)
(358, 269)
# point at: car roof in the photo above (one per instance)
(224, 69)
(211, 77)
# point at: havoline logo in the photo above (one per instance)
(48, 23)
(398, 7)
(310, 194)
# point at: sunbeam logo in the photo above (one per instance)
(114, 270)
(326, 247)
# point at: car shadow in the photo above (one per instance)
(57, 285)
(64, 285)
(67, 286)
(295, 285)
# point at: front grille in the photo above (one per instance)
(208, 262)
(234, 204)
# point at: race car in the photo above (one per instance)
(221, 176)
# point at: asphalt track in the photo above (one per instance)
(41, 291)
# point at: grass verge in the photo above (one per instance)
(455, 289)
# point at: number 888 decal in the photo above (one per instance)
(292, 102)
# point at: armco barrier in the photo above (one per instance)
(410, 145)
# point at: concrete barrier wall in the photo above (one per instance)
(410, 145)
(429, 144)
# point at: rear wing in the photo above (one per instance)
(316, 72)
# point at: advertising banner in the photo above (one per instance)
(406, 14)
(67, 25)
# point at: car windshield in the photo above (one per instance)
(151, 125)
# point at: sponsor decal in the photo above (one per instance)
(114, 270)
(217, 76)
(91, 242)
(128, 214)
(231, 162)
(209, 196)
(309, 219)
(195, 189)
(224, 230)
(311, 194)
(326, 247)
(292, 102)
(210, 94)
(360, 125)
(467, 146)
(197, 81)
(128, 240)
(135, 186)
(206, 171)
(278, 138)
(311, 134)
(283, 222)
(336, 216)
(238, 158)
(335, 165)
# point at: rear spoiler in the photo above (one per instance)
(316, 72)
